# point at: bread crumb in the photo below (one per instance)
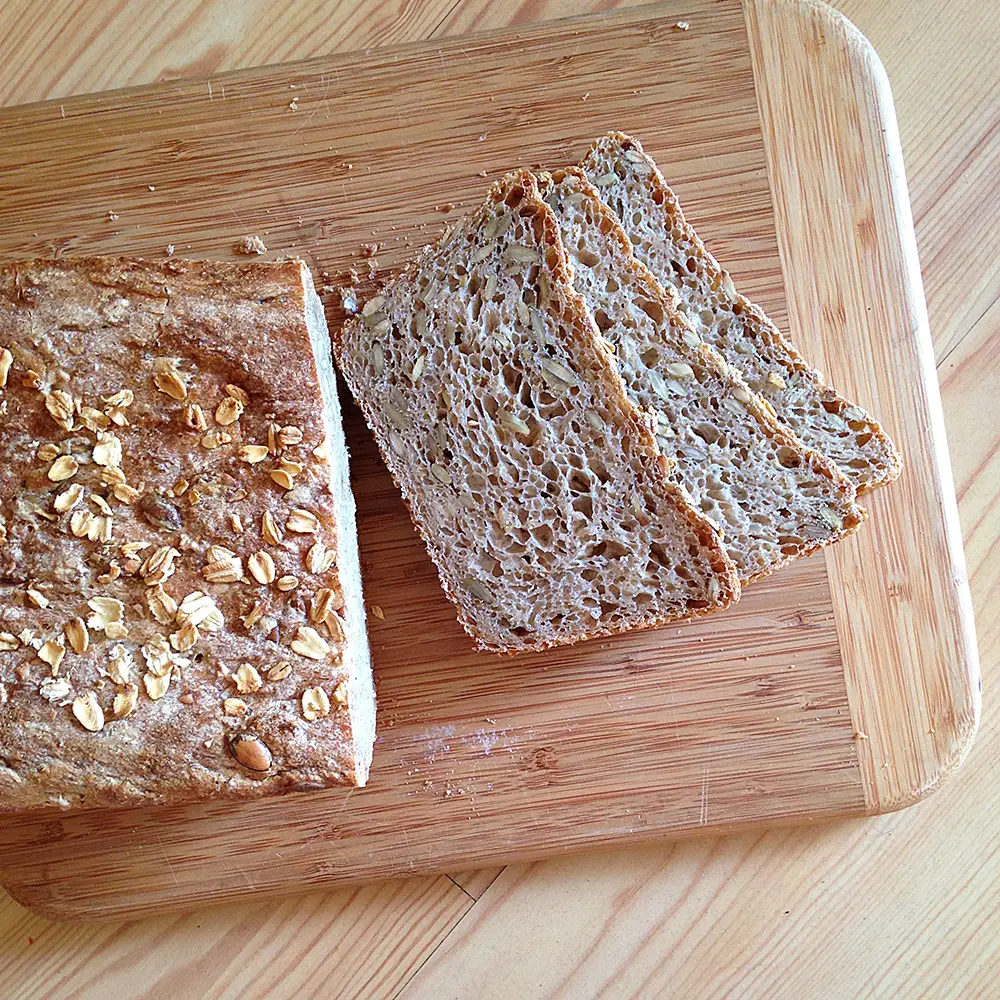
(152, 187)
(681, 26)
(249, 245)
(481, 173)
(293, 104)
(585, 96)
(170, 250)
(349, 300)
(378, 612)
(482, 138)
(112, 215)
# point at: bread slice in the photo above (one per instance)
(666, 243)
(181, 613)
(773, 498)
(536, 485)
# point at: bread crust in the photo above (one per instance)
(881, 462)
(232, 340)
(351, 341)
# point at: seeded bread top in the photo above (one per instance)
(169, 591)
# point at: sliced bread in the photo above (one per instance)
(772, 497)
(537, 487)
(667, 244)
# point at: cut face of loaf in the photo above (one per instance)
(663, 240)
(773, 498)
(536, 485)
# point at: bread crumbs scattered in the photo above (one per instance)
(481, 173)
(482, 138)
(293, 104)
(378, 612)
(585, 96)
(681, 26)
(112, 215)
(249, 245)
(152, 187)
(170, 250)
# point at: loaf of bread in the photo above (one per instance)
(181, 611)
(663, 240)
(536, 485)
(772, 497)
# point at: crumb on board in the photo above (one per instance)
(170, 250)
(349, 300)
(293, 104)
(249, 245)
(682, 26)
(112, 215)
(481, 173)
(585, 96)
(378, 612)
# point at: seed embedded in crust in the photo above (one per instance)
(234, 706)
(340, 695)
(6, 360)
(167, 380)
(125, 701)
(223, 566)
(235, 392)
(302, 521)
(108, 450)
(201, 611)
(228, 411)
(161, 605)
(269, 529)
(77, 635)
(253, 453)
(252, 752)
(61, 407)
(88, 712)
(52, 653)
(69, 498)
(262, 567)
(247, 679)
(37, 598)
(315, 703)
(290, 436)
(64, 467)
(287, 583)
(309, 643)
(279, 671)
(319, 559)
(156, 687)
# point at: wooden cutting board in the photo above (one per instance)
(847, 683)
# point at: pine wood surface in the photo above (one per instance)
(663, 908)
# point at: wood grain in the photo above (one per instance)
(850, 261)
(236, 948)
(926, 879)
(739, 719)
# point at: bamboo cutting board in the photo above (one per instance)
(846, 683)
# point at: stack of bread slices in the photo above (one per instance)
(593, 429)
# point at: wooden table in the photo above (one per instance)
(899, 906)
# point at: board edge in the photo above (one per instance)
(769, 24)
